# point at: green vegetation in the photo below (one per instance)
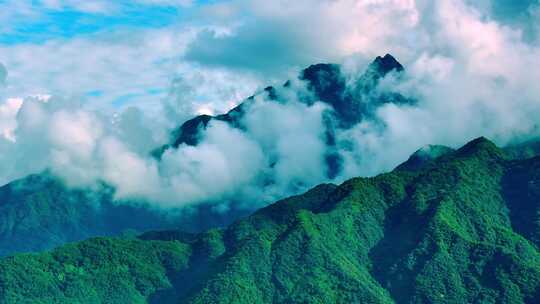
(462, 228)
(523, 150)
(95, 271)
(39, 212)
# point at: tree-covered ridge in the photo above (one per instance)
(464, 228)
(99, 270)
(39, 212)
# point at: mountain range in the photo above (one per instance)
(445, 226)
(462, 226)
(40, 212)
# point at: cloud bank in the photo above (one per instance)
(469, 70)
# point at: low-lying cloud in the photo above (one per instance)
(85, 147)
(470, 74)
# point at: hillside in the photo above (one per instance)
(461, 228)
(39, 212)
(526, 149)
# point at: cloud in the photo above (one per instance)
(88, 6)
(180, 3)
(469, 72)
(197, 89)
(117, 65)
(292, 139)
(227, 159)
(85, 147)
(124, 68)
(517, 14)
(8, 112)
(247, 168)
(274, 36)
(3, 75)
(472, 79)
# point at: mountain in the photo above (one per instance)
(40, 212)
(526, 149)
(461, 228)
(423, 156)
(350, 103)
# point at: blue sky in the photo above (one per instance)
(50, 23)
(69, 23)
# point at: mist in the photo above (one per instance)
(469, 73)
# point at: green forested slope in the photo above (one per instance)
(462, 229)
(39, 212)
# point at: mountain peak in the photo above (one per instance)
(386, 64)
(315, 72)
(479, 142)
(328, 84)
(326, 80)
(423, 156)
(481, 146)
